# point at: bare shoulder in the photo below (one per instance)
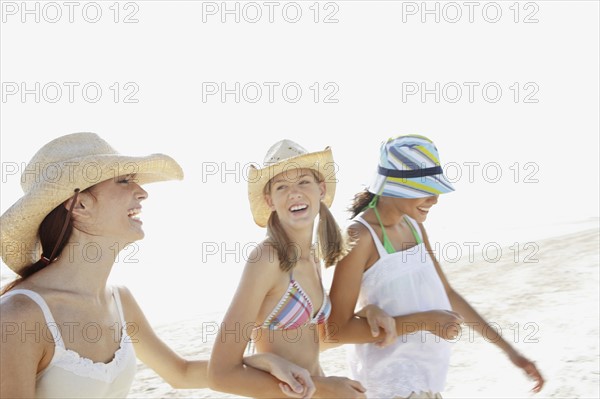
(133, 312)
(263, 258)
(362, 241)
(359, 231)
(127, 299)
(362, 253)
(124, 293)
(261, 272)
(24, 330)
(27, 345)
(19, 309)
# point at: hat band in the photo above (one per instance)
(408, 174)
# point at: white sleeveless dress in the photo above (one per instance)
(71, 376)
(401, 283)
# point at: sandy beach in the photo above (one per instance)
(508, 93)
(544, 297)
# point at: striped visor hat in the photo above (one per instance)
(409, 167)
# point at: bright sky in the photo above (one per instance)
(512, 107)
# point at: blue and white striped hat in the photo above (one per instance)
(409, 167)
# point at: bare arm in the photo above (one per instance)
(344, 325)
(23, 349)
(227, 372)
(479, 324)
(183, 373)
(295, 381)
(151, 350)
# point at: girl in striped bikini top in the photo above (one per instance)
(287, 196)
(295, 309)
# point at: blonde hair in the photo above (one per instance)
(332, 246)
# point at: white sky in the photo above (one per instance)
(370, 55)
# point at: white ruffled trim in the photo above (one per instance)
(73, 362)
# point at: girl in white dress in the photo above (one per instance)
(392, 266)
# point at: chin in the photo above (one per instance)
(301, 224)
(419, 217)
(138, 235)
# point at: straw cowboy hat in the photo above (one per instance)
(74, 161)
(409, 167)
(283, 156)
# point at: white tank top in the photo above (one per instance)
(401, 283)
(71, 376)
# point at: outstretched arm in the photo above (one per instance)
(479, 324)
(182, 373)
(152, 351)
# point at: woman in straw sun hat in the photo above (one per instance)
(280, 304)
(392, 266)
(78, 192)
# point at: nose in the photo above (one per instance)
(140, 193)
(294, 191)
(434, 199)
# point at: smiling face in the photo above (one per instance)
(296, 197)
(416, 208)
(111, 209)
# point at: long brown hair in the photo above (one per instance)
(360, 202)
(48, 234)
(333, 245)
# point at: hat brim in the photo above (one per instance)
(20, 223)
(417, 187)
(320, 161)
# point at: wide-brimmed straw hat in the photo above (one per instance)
(74, 161)
(284, 156)
(409, 167)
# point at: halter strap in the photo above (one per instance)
(414, 231)
(387, 244)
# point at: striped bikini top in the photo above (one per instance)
(295, 309)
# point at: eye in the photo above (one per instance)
(280, 187)
(127, 179)
(304, 181)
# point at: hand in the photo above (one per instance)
(296, 381)
(339, 387)
(377, 318)
(529, 367)
(443, 323)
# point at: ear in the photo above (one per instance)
(81, 207)
(269, 202)
(323, 189)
